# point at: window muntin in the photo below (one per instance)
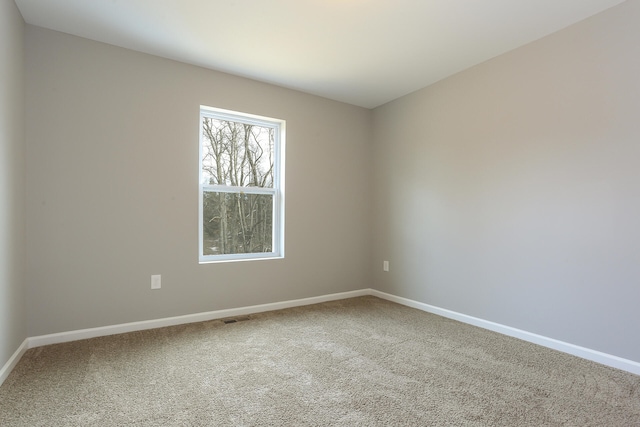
(241, 187)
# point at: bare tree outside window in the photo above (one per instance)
(238, 186)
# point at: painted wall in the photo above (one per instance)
(13, 320)
(112, 188)
(511, 191)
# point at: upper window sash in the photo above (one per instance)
(278, 127)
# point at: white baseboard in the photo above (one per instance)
(13, 361)
(585, 353)
(189, 318)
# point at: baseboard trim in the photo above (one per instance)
(585, 353)
(13, 360)
(575, 350)
(80, 334)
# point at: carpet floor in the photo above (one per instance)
(355, 362)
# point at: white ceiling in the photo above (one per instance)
(363, 52)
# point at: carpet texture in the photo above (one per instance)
(356, 362)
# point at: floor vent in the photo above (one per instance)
(235, 319)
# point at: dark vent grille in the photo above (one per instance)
(235, 319)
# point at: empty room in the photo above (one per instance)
(319, 213)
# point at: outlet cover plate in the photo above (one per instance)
(156, 281)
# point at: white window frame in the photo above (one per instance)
(277, 191)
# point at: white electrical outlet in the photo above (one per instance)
(156, 281)
(385, 265)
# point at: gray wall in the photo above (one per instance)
(13, 320)
(511, 191)
(112, 188)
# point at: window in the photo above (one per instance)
(241, 186)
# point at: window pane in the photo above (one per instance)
(237, 154)
(235, 223)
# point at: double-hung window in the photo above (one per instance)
(241, 186)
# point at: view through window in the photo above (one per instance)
(241, 199)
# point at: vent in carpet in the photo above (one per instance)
(234, 319)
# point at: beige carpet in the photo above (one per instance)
(356, 362)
